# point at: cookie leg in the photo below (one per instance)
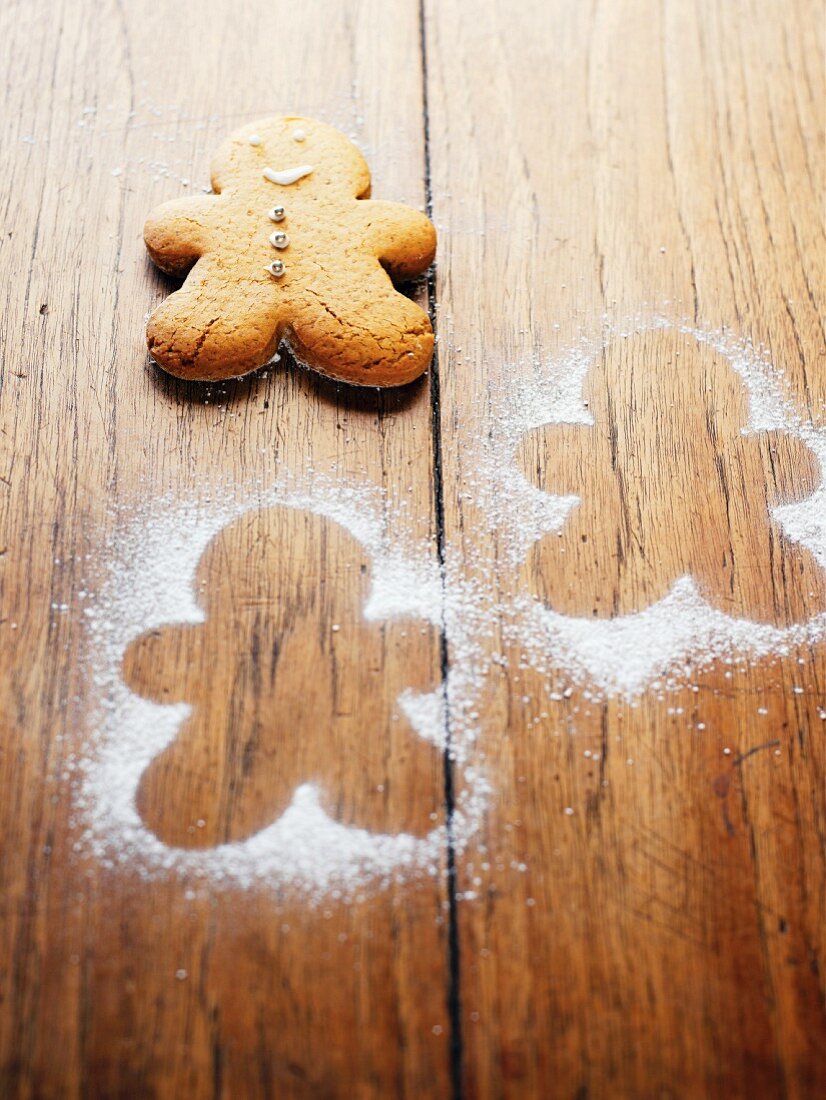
(202, 333)
(374, 337)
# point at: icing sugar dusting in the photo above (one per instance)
(153, 558)
(682, 632)
(672, 639)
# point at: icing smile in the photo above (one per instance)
(289, 175)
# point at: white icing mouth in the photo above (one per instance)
(288, 175)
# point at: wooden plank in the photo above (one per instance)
(643, 910)
(119, 978)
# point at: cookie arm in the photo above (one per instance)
(177, 232)
(403, 239)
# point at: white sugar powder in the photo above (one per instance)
(681, 632)
(150, 566)
(151, 563)
(668, 642)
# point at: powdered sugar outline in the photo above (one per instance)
(664, 644)
(152, 559)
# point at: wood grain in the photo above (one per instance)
(669, 416)
(590, 167)
(662, 937)
(108, 110)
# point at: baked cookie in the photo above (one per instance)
(288, 248)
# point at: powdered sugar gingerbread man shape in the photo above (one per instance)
(289, 685)
(290, 247)
(670, 485)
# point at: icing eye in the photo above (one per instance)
(277, 214)
(279, 239)
(276, 268)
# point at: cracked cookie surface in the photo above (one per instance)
(290, 247)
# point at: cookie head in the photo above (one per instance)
(285, 144)
(289, 247)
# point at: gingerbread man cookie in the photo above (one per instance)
(289, 247)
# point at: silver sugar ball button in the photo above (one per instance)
(277, 214)
(279, 239)
(276, 268)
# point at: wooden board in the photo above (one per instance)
(639, 909)
(108, 111)
(651, 913)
